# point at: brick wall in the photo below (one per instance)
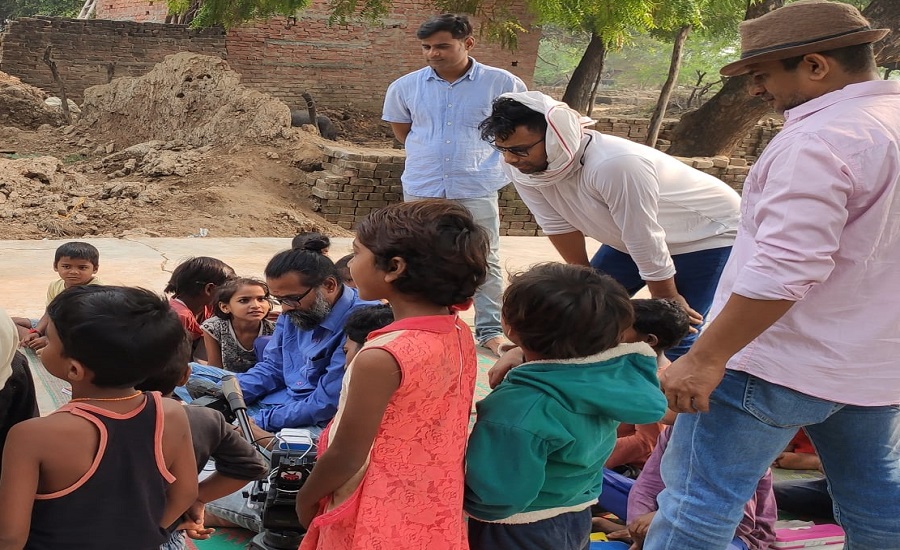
(348, 65)
(88, 51)
(636, 129)
(139, 11)
(340, 65)
(353, 182)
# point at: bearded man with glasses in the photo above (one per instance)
(298, 381)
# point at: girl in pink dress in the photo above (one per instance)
(390, 470)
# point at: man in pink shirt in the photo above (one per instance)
(805, 326)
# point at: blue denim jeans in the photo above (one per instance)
(206, 375)
(486, 213)
(696, 277)
(714, 461)
(571, 531)
(175, 542)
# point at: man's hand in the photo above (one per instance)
(261, 436)
(508, 361)
(688, 383)
(638, 530)
(692, 314)
(797, 461)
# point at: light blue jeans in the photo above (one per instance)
(175, 542)
(714, 462)
(486, 213)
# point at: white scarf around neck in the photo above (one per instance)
(565, 140)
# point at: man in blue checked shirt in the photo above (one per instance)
(298, 381)
(435, 113)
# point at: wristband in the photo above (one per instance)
(34, 331)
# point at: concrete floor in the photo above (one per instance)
(26, 267)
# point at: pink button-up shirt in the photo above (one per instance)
(820, 225)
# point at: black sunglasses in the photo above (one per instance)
(292, 301)
(518, 150)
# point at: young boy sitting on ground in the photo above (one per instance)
(342, 266)
(237, 462)
(661, 324)
(114, 467)
(76, 263)
(534, 464)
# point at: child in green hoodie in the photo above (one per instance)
(534, 463)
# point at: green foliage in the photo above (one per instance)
(24, 8)
(371, 10)
(498, 24)
(229, 13)
(642, 63)
(558, 55)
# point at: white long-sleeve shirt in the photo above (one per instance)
(639, 201)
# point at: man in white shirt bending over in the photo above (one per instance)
(662, 223)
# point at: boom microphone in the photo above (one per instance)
(235, 398)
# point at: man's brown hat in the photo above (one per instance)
(806, 26)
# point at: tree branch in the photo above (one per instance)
(59, 82)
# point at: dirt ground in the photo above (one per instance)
(103, 177)
(184, 150)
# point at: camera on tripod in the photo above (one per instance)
(290, 463)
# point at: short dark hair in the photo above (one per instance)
(343, 268)
(311, 263)
(365, 320)
(457, 25)
(191, 275)
(507, 114)
(444, 249)
(311, 240)
(662, 318)
(77, 251)
(121, 334)
(856, 59)
(225, 292)
(566, 311)
(166, 379)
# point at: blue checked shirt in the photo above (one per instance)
(445, 156)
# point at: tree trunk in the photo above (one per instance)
(59, 83)
(885, 14)
(720, 124)
(88, 9)
(663, 101)
(589, 69)
(593, 97)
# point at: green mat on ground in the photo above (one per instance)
(222, 539)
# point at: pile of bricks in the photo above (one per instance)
(354, 182)
(732, 171)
